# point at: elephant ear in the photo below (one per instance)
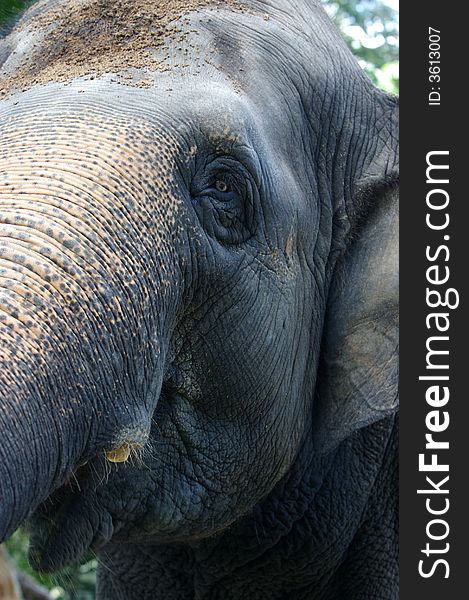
(358, 372)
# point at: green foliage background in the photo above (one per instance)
(77, 582)
(371, 29)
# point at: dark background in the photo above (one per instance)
(424, 129)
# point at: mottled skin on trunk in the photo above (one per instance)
(198, 272)
(74, 269)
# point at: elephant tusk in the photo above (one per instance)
(120, 454)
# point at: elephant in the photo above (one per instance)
(198, 300)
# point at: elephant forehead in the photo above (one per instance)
(77, 38)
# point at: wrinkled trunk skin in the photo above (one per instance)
(38, 448)
(83, 291)
(34, 463)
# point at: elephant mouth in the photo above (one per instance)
(69, 523)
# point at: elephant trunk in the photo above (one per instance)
(87, 290)
(65, 397)
(36, 455)
(79, 375)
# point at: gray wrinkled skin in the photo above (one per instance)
(198, 265)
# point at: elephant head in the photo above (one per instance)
(197, 263)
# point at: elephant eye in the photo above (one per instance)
(222, 186)
(222, 195)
